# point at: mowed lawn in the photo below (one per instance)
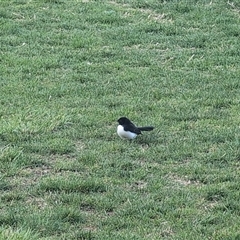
(70, 69)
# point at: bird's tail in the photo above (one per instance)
(146, 128)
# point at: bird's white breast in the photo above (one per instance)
(125, 134)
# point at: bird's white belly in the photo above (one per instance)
(125, 134)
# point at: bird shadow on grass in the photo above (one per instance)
(149, 139)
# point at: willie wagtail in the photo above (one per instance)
(127, 130)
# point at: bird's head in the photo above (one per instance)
(123, 120)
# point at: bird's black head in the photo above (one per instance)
(123, 120)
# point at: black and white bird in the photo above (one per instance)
(127, 130)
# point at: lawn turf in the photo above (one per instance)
(69, 70)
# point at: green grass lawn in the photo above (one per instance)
(70, 69)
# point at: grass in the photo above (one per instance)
(69, 70)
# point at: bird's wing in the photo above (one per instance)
(131, 128)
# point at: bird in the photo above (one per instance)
(127, 130)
